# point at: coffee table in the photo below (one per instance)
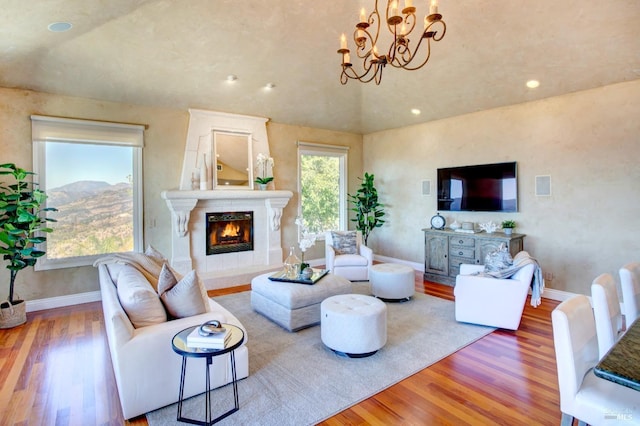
(179, 344)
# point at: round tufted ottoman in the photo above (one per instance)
(353, 324)
(392, 281)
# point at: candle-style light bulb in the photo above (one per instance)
(394, 8)
(408, 3)
(363, 15)
(434, 7)
(343, 41)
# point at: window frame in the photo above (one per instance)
(47, 129)
(342, 153)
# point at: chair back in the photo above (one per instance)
(576, 346)
(606, 309)
(630, 286)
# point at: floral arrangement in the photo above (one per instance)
(307, 239)
(264, 163)
(508, 224)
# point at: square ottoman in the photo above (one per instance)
(294, 306)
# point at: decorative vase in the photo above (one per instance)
(203, 173)
(292, 264)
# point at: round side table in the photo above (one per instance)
(179, 345)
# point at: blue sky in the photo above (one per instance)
(72, 162)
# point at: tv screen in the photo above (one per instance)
(481, 188)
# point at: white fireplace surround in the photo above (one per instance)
(189, 209)
(188, 234)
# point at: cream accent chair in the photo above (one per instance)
(583, 395)
(606, 309)
(630, 286)
(354, 267)
(491, 301)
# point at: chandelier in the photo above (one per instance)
(401, 53)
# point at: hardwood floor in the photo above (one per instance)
(56, 369)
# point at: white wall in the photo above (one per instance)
(588, 142)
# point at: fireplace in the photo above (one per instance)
(229, 232)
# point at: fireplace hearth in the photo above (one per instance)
(229, 232)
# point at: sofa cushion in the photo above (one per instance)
(181, 298)
(344, 242)
(138, 298)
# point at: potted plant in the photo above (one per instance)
(22, 223)
(368, 210)
(264, 163)
(507, 226)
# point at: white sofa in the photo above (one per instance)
(491, 301)
(146, 368)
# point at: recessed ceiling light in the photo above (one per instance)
(270, 86)
(532, 84)
(415, 111)
(232, 78)
(59, 27)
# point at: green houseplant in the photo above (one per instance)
(507, 226)
(22, 223)
(369, 211)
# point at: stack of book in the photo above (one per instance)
(214, 341)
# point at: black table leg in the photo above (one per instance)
(208, 411)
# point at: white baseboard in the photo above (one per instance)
(94, 296)
(60, 301)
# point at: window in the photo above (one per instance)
(92, 173)
(322, 183)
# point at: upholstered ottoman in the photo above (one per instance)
(392, 281)
(353, 324)
(291, 305)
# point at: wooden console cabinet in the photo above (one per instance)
(444, 251)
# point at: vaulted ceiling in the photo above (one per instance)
(178, 54)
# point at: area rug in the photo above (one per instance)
(295, 380)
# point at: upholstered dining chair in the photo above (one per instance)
(347, 256)
(606, 309)
(630, 286)
(584, 396)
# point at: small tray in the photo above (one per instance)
(282, 277)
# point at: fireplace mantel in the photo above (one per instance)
(188, 240)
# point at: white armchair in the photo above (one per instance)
(354, 266)
(491, 301)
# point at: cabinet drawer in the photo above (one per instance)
(462, 241)
(462, 252)
(455, 262)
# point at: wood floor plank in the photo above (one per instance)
(56, 369)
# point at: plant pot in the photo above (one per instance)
(262, 186)
(508, 231)
(13, 315)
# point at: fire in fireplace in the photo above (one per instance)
(229, 232)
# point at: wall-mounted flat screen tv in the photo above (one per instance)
(481, 188)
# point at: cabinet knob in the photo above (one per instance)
(460, 253)
(461, 241)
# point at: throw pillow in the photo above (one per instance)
(498, 259)
(344, 242)
(138, 298)
(181, 298)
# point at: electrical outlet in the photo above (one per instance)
(548, 276)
